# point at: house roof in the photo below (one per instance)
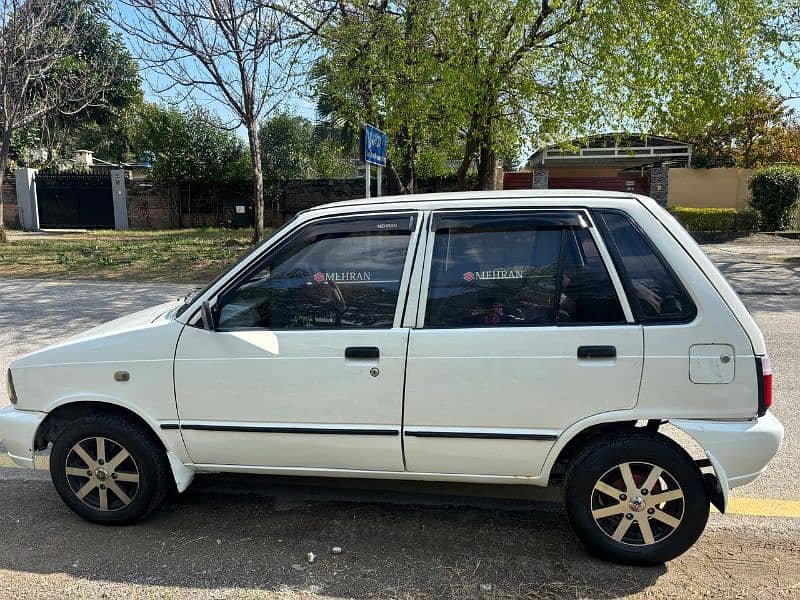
(618, 149)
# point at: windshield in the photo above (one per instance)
(191, 296)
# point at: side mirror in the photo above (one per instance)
(208, 317)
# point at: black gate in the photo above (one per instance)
(74, 200)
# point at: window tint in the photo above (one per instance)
(509, 275)
(334, 275)
(657, 295)
(587, 293)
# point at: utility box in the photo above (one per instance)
(240, 216)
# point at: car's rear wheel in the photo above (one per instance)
(109, 470)
(637, 498)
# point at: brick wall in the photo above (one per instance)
(10, 217)
(300, 194)
(156, 206)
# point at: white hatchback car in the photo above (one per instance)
(531, 338)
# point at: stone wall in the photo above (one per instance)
(10, 218)
(659, 184)
(540, 178)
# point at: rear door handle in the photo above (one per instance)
(597, 352)
(362, 352)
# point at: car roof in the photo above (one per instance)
(503, 197)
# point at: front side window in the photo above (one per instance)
(334, 274)
(517, 272)
(655, 293)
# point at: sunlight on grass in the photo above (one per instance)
(188, 255)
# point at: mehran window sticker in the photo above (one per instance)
(493, 274)
(343, 276)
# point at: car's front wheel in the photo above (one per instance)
(108, 469)
(637, 498)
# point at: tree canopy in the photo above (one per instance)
(757, 129)
(190, 146)
(492, 75)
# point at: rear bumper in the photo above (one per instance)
(17, 432)
(738, 450)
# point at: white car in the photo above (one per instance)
(531, 338)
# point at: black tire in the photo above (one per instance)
(147, 462)
(603, 461)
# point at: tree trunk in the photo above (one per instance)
(409, 170)
(470, 146)
(393, 183)
(463, 168)
(2, 224)
(5, 150)
(487, 163)
(258, 181)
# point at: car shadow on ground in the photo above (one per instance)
(247, 539)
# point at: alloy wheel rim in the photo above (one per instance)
(102, 474)
(637, 503)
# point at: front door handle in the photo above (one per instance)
(586, 352)
(362, 352)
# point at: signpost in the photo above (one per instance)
(375, 142)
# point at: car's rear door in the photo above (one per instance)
(306, 367)
(523, 329)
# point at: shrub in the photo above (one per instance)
(727, 220)
(776, 191)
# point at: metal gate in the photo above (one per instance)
(75, 200)
(517, 180)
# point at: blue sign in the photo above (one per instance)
(374, 146)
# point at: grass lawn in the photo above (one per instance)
(187, 255)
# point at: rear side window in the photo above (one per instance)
(655, 293)
(517, 272)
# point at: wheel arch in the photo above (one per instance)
(69, 410)
(578, 435)
(58, 418)
(573, 441)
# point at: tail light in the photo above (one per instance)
(764, 371)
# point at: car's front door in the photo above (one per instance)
(522, 331)
(307, 363)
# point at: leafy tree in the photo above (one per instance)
(100, 126)
(292, 147)
(496, 73)
(189, 146)
(380, 68)
(758, 129)
(43, 71)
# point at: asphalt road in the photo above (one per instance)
(227, 538)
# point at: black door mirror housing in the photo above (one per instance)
(209, 323)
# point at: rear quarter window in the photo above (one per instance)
(655, 293)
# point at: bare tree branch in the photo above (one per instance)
(40, 72)
(247, 54)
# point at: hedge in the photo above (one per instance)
(776, 193)
(728, 220)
